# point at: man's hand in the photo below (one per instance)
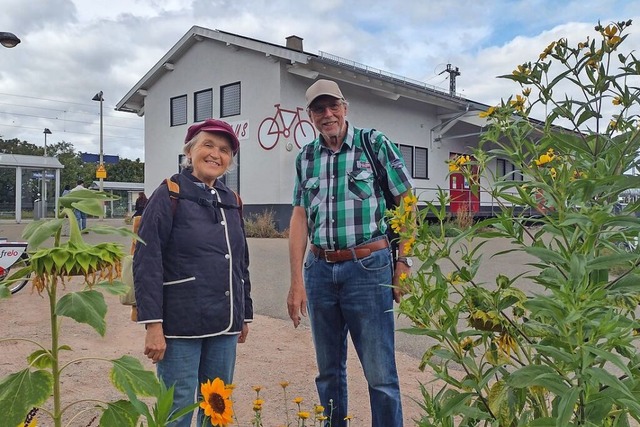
(398, 288)
(297, 303)
(154, 342)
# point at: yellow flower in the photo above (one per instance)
(547, 50)
(216, 402)
(319, 409)
(409, 244)
(230, 386)
(617, 100)
(613, 124)
(284, 384)
(403, 276)
(506, 344)
(303, 415)
(466, 344)
(545, 158)
(518, 103)
(348, 417)
(257, 388)
(298, 400)
(553, 173)
(526, 91)
(453, 167)
(322, 418)
(522, 70)
(258, 402)
(488, 113)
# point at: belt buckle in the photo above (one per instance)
(328, 252)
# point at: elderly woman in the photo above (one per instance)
(191, 276)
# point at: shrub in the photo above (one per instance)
(566, 355)
(262, 225)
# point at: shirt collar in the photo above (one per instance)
(348, 139)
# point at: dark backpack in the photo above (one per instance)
(380, 174)
(174, 194)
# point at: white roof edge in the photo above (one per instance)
(189, 39)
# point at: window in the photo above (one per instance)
(420, 169)
(230, 100)
(202, 105)
(407, 155)
(179, 110)
(507, 170)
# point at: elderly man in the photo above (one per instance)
(339, 207)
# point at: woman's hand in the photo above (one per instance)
(243, 334)
(154, 342)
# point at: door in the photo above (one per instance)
(463, 196)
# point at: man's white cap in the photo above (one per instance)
(323, 87)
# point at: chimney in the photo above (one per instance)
(294, 43)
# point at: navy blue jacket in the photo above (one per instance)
(192, 273)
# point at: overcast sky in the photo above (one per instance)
(72, 49)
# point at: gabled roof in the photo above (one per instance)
(133, 101)
(305, 64)
(124, 186)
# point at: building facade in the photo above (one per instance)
(259, 87)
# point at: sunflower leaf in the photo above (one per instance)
(22, 391)
(120, 414)
(128, 371)
(85, 307)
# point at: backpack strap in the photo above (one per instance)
(379, 171)
(174, 193)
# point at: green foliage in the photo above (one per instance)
(99, 266)
(564, 354)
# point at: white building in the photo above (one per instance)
(259, 88)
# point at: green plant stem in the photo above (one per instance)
(52, 291)
(80, 359)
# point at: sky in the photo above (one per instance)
(72, 49)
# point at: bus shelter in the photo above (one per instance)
(29, 187)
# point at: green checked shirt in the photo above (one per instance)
(344, 208)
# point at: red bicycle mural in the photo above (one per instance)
(271, 128)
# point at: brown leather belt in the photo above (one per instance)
(357, 252)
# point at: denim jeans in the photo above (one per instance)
(188, 362)
(81, 217)
(354, 297)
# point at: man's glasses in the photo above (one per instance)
(319, 109)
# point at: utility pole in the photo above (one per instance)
(453, 73)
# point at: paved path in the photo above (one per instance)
(270, 274)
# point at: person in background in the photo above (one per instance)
(191, 276)
(141, 202)
(80, 216)
(338, 206)
(66, 190)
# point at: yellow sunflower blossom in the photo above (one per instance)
(403, 276)
(348, 417)
(584, 44)
(553, 173)
(318, 409)
(488, 113)
(298, 400)
(547, 50)
(506, 344)
(522, 70)
(545, 158)
(303, 415)
(613, 124)
(216, 402)
(284, 384)
(617, 100)
(518, 103)
(322, 418)
(454, 279)
(526, 91)
(466, 344)
(410, 200)
(230, 386)
(257, 388)
(258, 402)
(409, 244)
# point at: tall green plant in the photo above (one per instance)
(565, 355)
(39, 384)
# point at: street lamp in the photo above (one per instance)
(9, 39)
(99, 97)
(43, 202)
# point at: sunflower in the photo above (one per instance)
(216, 402)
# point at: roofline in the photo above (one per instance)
(133, 101)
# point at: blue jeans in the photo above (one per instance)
(81, 217)
(187, 363)
(354, 297)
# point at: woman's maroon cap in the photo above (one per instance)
(214, 125)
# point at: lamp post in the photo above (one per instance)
(43, 201)
(99, 97)
(9, 39)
